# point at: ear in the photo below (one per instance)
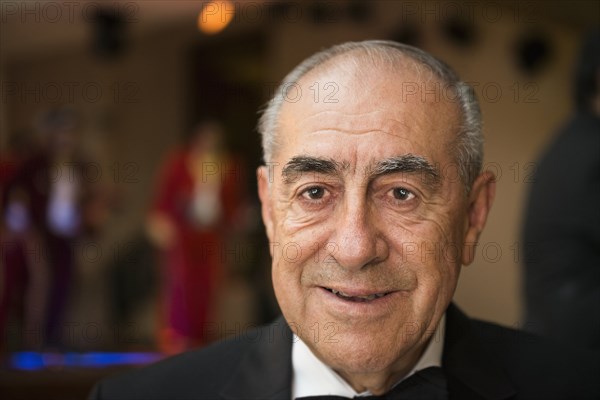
(480, 201)
(262, 175)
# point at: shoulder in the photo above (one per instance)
(194, 374)
(542, 365)
(539, 367)
(529, 349)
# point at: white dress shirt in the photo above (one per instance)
(311, 377)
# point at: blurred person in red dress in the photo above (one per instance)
(197, 199)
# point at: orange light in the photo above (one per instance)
(215, 16)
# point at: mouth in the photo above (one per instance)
(357, 298)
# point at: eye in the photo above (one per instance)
(314, 193)
(402, 194)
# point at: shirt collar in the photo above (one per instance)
(311, 377)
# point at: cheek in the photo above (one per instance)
(287, 287)
(292, 259)
(298, 249)
(303, 243)
(435, 240)
(432, 249)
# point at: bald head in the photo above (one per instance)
(356, 62)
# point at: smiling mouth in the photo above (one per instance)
(357, 299)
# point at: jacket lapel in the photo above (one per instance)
(471, 369)
(265, 372)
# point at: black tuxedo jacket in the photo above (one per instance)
(481, 361)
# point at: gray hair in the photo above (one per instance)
(468, 145)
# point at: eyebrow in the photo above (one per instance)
(407, 164)
(403, 164)
(302, 164)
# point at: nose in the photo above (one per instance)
(357, 243)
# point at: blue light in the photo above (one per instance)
(27, 360)
(31, 361)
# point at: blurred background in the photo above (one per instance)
(130, 220)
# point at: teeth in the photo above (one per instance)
(369, 297)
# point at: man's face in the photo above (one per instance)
(366, 215)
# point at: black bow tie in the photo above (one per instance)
(427, 384)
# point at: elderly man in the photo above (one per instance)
(372, 198)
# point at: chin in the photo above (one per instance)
(360, 353)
